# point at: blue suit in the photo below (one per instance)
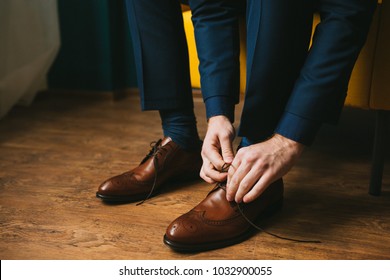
(319, 88)
(290, 90)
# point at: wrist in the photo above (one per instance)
(222, 126)
(290, 144)
(218, 118)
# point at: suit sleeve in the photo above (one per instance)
(320, 90)
(217, 41)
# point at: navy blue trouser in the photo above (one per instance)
(290, 90)
(161, 50)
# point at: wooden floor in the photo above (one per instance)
(55, 153)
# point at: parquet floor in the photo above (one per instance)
(55, 153)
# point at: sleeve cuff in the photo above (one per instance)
(297, 128)
(220, 105)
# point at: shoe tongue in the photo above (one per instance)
(165, 140)
(215, 205)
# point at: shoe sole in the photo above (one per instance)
(193, 248)
(123, 199)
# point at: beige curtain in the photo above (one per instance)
(29, 42)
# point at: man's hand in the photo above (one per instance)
(217, 149)
(255, 167)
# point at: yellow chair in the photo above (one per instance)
(369, 86)
(194, 62)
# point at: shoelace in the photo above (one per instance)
(225, 168)
(155, 150)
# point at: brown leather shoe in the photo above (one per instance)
(216, 223)
(166, 162)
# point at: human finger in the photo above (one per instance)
(205, 177)
(248, 182)
(211, 174)
(260, 186)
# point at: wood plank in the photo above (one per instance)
(55, 153)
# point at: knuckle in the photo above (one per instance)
(204, 153)
(241, 152)
(206, 172)
(250, 157)
(224, 135)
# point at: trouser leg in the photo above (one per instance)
(162, 65)
(161, 54)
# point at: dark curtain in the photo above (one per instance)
(96, 51)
